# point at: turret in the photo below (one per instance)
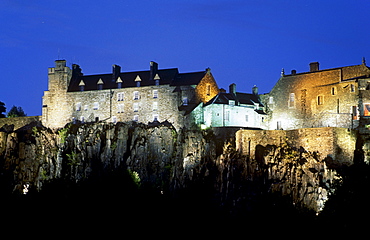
(59, 76)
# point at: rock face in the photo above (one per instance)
(163, 158)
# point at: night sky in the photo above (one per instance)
(244, 42)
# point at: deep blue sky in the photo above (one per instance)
(246, 42)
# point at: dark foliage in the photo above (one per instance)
(2, 110)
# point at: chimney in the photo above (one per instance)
(293, 72)
(232, 88)
(255, 90)
(153, 70)
(76, 70)
(116, 70)
(314, 66)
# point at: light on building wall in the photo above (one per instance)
(203, 126)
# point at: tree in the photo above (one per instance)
(2, 110)
(16, 112)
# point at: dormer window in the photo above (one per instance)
(119, 82)
(100, 84)
(82, 85)
(232, 102)
(156, 79)
(138, 81)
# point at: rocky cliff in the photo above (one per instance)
(166, 161)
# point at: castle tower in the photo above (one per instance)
(54, 99)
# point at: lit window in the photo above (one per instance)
(320, 100)
(232, 102)
(291, 100)
(78, 106)
(155, 93)
(366, 109)
(120, 96)
(155, 106)
(354, 112)
(136, 107)
(86, 107)
(96, 106)
(120, 108)
(271, 100)
(185, 101)
(136, 118)
(82, 119)
(136, 95)
(114, 119)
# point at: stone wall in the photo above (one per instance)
(335, 145)
(18, 122)
(316, 99)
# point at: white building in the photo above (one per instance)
(233, 109)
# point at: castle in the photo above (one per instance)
(182, 99)
(335, 97)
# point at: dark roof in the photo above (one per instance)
(167, 76)
(239, 98)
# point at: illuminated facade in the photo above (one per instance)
(232, 109)
(336, 97)
(141, 96)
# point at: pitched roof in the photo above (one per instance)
(169, 76)
(239, 98)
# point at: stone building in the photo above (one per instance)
(142, 96)
(232, 109)
(336, 97)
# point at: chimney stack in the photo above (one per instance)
(153, 69)
(293, 72)
(255, 90)
(314, 66)
(232, 88)
(116, 70)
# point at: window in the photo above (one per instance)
(136, 118)
(119, 85)
(227, 115)
(155, 117)
(78, 106)
(352, 88)
(96, 106)
(367, 109)
(86, 107)
(155, 106)
(246, 118)
(120, 108)
(138, 84)
(185, 101)
(114, 119)
(333, 91)
(155, 93)
(320, 100)
(354, 112)
(232, 102)
(120, 96)
(271, 100)
(208, 89)
(136, 107)
(82, 119)
(136, 95)
(291, 100)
